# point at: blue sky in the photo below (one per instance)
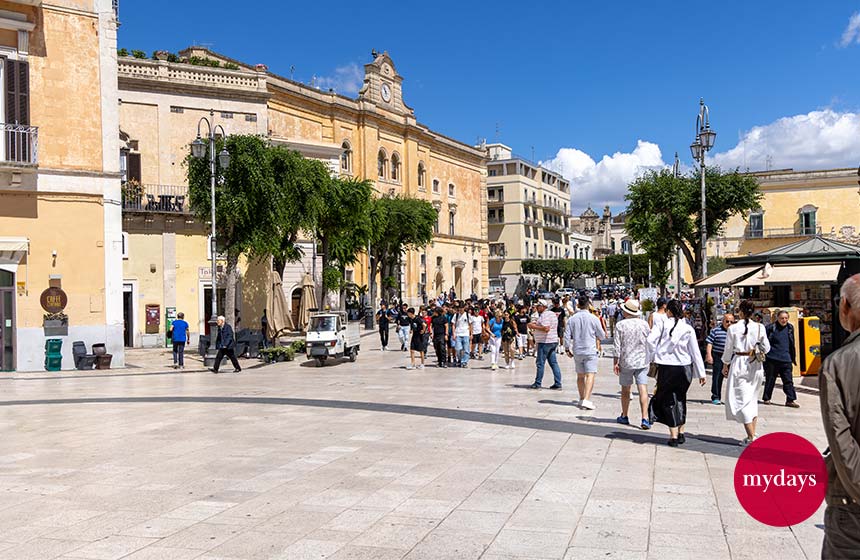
(600, 90)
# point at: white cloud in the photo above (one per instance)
(347, 79)
(604, 182)
(817, 140)
(852, 32)
(821, 139)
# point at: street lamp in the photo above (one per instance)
(676, 172)
(702, 144)
(199, 151)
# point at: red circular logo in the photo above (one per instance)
(780, 479)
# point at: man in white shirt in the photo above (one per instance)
(545, 330)
(477, 328)
(632, 359)
(462, 334)
(581, 336)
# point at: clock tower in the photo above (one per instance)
(383, 85)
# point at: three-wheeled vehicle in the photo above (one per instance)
(330, 335)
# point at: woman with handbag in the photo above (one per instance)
(675, 351)
(509, 336)
(743, 359)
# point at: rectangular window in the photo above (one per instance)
(436, 186)
(124, 245)
(176, 109)
(450, 189)
(423, 258)
(528, 231)
(133, 163)
(251, 118)
(450, 223)
(226, 115)
(492, 216)
(807, 223)
(491, 172)
(501, 215)
(756, 228)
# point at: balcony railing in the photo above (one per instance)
(20, 144)
(497, 255)
(163, 199)
(781, 232)
(496, 200)
(550, 225)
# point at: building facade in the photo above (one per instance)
(796, 205)
(607, 232)
(60, 214)
(528, 209)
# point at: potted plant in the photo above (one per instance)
(160, 55)
(55, 324)
(132, 194)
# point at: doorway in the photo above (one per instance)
(295, 304)
(7, 321)
(207, 305)
(458, 281)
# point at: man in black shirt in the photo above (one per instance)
(403, 322)
(418, 326)
(522, 321)
(439, 324)
(382, 320)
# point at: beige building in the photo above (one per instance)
(528, 209)
(607, 232)
(60, 218)
(796, 205)
(166, 260)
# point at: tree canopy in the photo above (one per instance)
(664, 211)
(565, 270)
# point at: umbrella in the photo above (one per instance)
(276, 308)
(309, 301)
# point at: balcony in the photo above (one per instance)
(497, 255)
(556, 227)
(495, 221)
(495, 200)
(780, 232)
(20, 145)
(159, 199)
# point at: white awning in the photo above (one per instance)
(826, 273)
(13, 249)
(726, 277)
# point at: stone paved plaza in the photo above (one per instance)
(367, 460)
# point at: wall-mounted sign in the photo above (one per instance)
(53, 300)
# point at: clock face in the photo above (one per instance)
(386, 93)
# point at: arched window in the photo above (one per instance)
(395, 167)
(346, 157)
(381, 163)
(450, 189)
(450, 223)
(422, 181)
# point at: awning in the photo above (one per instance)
(797, 274)
(13, 249)
(726, 277)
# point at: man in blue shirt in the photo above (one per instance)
(780, 359)
(179, 336)
(716, 343)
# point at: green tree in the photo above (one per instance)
(662, 205)
(399, 224)
(716, 264)
(243, 217)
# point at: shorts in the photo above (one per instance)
(417, 344)
(628, 377)
(476, 338)
(523, 340)
(586, 363)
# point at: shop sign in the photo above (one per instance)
(205, 273)
(53, 300)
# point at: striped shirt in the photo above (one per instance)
(717, 339)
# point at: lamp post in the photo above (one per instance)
(676, 171)
(198, 151)
(701, 145)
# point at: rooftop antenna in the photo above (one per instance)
(533, 153)
(292, 72)
(498, 132)
(676, 167)
(768, 162)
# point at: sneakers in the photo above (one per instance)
(555, 387)
(623, 420)
(495, 367)
(766, 402)
(534, 386)
(792, 404)
(646, 425)
(716, 401)
(420, 366)
(410, 366)
(746, 441)
(587, 405)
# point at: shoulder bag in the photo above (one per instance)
(652, 369)
(757, 354)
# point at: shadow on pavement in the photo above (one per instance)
(548, 425)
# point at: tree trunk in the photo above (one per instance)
(323, 299)
(692, 259)
(230, 289)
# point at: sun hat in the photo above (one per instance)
(543, 302)
(631, 307)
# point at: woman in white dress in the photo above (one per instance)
(744, 373)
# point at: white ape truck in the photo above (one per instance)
(330, 335)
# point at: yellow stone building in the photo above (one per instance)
(60, 218)
(373, 136)
(796, 204)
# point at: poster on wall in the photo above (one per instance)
(153, 318)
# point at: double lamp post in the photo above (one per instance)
(702, 144)
(199, 151)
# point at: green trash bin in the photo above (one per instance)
(53, 354)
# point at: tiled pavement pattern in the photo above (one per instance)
(368, 461)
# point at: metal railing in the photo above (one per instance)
(781, 232)
(20, 144)
(165, 199)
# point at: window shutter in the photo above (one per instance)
(133, 173)
(17, 92)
